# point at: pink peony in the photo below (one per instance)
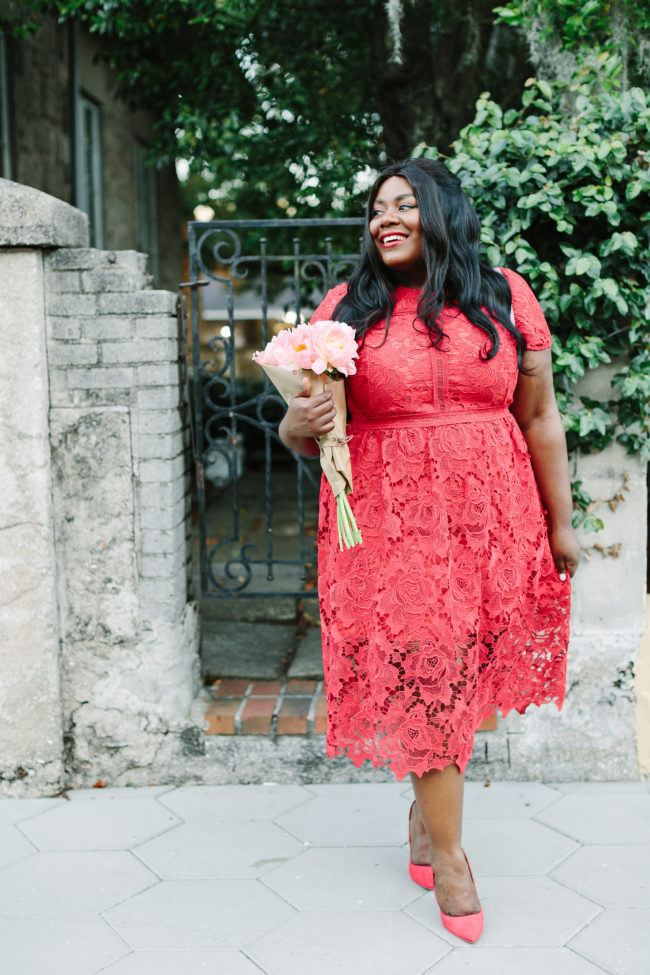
(321, 347)
(290, 349)
(335, 347)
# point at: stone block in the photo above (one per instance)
(108, 327)
(161, 494)
(159, 397)
(63, 328)
(138, 303)
(111, 279)
(156, 327)
(162, 590)
(158, 375)
(135, 260)
(76, 258)
(73, 354)
(140, 352)
(167, 421)
(161, 565)
(71, 305)
(162, 470)
(63, 281)
(100, 378)
(161, 446)
(30, 218)
(166, 518)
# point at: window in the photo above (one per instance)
(5, 122)
(146, 208)
(89, 167)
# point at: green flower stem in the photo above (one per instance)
(348, 531)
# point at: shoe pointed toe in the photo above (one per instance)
(467, 926)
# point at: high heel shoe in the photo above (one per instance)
(420, 873)
(465, 926)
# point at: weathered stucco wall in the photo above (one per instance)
(99, 665)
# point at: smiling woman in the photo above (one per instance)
(395, 228)
(457, 603)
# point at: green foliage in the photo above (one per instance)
(279, 104)
(561, 188)
(620, 27)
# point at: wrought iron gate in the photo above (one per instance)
(289, 264)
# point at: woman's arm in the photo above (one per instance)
(307, 417)
(535, 410)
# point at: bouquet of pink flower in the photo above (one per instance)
(327, 350)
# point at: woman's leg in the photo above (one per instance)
(439, 813)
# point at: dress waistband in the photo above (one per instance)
(427, 419)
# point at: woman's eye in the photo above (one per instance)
(407, 206)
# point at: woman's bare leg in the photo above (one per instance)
(436, 823)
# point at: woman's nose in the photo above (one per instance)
(389, 216)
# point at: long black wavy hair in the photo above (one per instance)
(455, 275)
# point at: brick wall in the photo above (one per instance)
(121, 495)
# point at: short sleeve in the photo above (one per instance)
(324, 311)
(529, 317)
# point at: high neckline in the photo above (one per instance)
(408, 297)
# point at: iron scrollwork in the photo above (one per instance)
(227, 253)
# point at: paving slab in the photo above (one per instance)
(17, 810)
(607, 820)
(355, 879)
(55, 883)
(519, 912)
(618, 941)
(257, 651)
(114, 822)
(307, 663)
(184, 914)
(506, 799)
(363, 943)
(610, 875)
(14, 846)
(512, 846)
(209, 849)
(340, 818)
(57, 944)
(513, 961)
(183, 963)
(234, 803)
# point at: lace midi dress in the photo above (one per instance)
(452, 607)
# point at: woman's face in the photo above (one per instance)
(395, 229)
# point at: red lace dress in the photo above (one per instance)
(452, 607)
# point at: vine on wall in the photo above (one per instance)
(561, 188)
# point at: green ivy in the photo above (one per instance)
(561, 188)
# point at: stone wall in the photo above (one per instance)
(99, 636)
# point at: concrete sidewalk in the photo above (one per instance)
(288, 880)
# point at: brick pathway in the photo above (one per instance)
(268, 707)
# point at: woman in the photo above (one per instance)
(457, 602)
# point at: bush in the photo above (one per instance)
(561, 189)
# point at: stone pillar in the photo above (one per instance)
(31, 743)
(99, 638)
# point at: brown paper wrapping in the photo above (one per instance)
(334, 452)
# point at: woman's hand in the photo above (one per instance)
(307, 417)
(565, 549)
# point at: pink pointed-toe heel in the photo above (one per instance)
(465, 926)
(420, 873)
